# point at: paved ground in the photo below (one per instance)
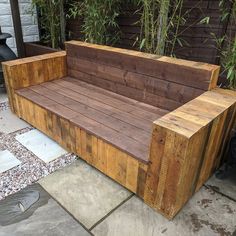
(79, 200)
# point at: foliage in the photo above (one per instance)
(49, 20)
(229, 55)
(99, 19)
(226, 44)
(160, 22)
(230, 63)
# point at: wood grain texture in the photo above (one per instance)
(105, 157)
(163, 157)
(157, 80)
(126, 124)
(185, 149)
(22, 73)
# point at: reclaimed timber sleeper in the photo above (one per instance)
(157, 125)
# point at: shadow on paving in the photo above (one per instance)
(32, 211)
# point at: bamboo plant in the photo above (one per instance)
(226, 44)
(229, 57)
(99, 19)
(49, 21)
(160, 21)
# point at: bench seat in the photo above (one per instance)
(158, 126)
(120, 121)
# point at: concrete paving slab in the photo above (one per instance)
(85, 192)
(7, 161)
(207, 213)
(42, 146)
(42, 215)
(225, 186)
(10, 123)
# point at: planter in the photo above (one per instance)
(35, 48)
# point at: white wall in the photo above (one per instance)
(28, 21)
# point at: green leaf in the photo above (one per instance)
(142, 44)
(205, 20)
(179, 42)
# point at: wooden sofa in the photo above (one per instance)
(148, 122)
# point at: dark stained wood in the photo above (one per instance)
(17, 27)
(111, 119)
(159, 81)
(196, 75)
(35, 49)
(126, 100)
(114, 100)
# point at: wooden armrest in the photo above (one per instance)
(29, 71)
(186, 148)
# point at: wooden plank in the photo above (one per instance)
(30, 71)
(184, 150)
(111, 98)
(195, 75)
(173, 91)
(139, 122)
(129, 145)
(27, 60)
(137, 94)
(92, 112)
(79, 92)
(95, 151)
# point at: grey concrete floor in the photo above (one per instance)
(79, 200)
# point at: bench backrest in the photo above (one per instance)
(156, 80)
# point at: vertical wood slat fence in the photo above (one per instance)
(201, 43)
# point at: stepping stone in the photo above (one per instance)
(7, 161)
(9, 122)
(85, 192)
(207, 213)
(32, 211)
(42, 146)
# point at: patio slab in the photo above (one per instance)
(85, 192)
(207, 213)
(42, 216)
(225, 186)
(10, 123)
(42, 146)
(7, 161)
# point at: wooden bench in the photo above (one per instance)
(148, 122)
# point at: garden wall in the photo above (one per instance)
(28, 20)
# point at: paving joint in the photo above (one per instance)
(88, 230)
(109, 213)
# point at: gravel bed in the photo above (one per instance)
(31, 168)
(4, 106)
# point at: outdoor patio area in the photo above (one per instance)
(117, 118)
(46, 191)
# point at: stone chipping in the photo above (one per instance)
(31, 168)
